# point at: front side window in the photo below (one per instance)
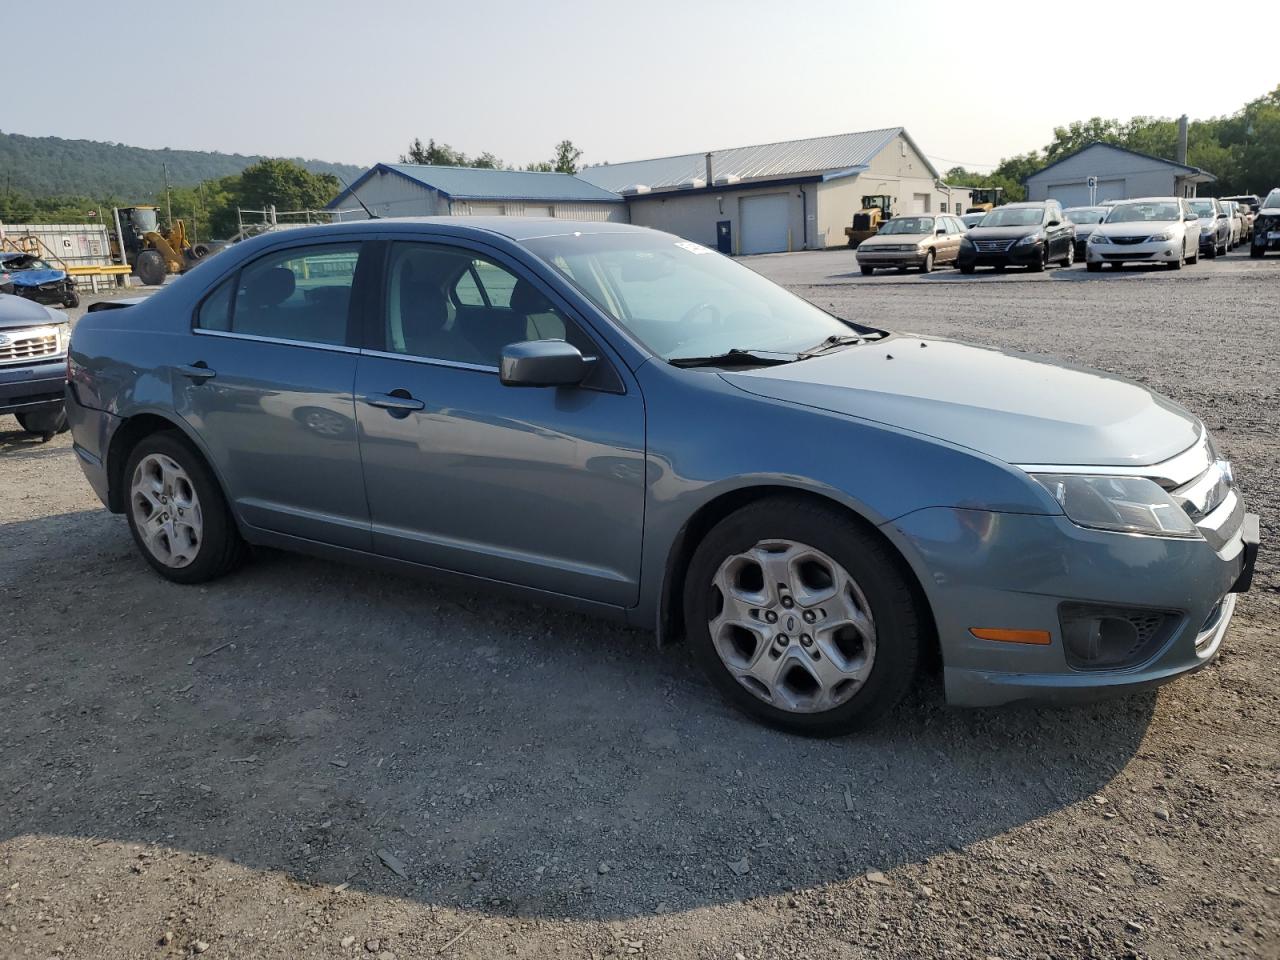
(445, 303)
(684, 300)
(301, 294)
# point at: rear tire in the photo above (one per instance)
(1070, 259)
(150, 268)
(825, 568)
(164, 474)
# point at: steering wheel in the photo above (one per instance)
(704, 307)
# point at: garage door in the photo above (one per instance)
(1112, 190)
(1070, 194)
(764, 223)
(920, 203)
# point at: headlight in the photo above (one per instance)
(1098, 238)
(1030, 239)
(1159, 237)
(64, 337)
(1124, 504)
(1206, 231)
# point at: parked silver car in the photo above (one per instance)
(1148, 230)
(921, 242)
(629, 423)
(1085, 219)
(1215, 226)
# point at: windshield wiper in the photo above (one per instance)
(737, 357)
(833, 341)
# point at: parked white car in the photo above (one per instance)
(1149, 230)
(1232, 210)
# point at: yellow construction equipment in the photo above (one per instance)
(984, 199)
(153, 253)
(866, 222)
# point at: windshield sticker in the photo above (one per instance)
(692, 247)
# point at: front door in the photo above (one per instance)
(542, 487)
(267, 386)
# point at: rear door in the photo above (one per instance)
(267, 385)
(541, 487)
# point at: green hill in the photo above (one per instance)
(48, 166)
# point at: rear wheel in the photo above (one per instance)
(177, 514)
(1070, 259)
(802, 618)
(927, 266)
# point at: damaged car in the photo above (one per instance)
(27, 275)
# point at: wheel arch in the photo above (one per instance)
(133, 431)
(671, 626)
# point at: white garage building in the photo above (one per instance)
(1121, 174)
(794, 195)
(417, 190)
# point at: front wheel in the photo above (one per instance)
(927, 266)
(1041, 263)
(71, 300)
(802, 618)
(1093, 267)
(967, 268)
(1257, 252)
(45, 424)
(177, 513)
(867, 271)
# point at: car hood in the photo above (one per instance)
(21, 312)
(881, 239)
(33, 278)
(1014, 407)
(1002, 233)
(1084, 229)
(1136, 228)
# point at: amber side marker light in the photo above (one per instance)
(1038, 637)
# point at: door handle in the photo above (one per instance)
(398, 401)
(199, 371)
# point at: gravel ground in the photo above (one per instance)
(313, 760)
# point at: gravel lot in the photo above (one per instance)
(313, 760)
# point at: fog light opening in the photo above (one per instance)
(1107, 637)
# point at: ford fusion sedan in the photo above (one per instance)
(628, 423)
(1215, 226)
(1019, 234)
(1085, 219)
(919, 242)
(33, 364)
(1266, 227)
(1150, 230)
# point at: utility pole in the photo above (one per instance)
(168, 200)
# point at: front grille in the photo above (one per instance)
(27, 345)
(994, 246)
(1128, 239)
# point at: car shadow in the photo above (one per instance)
(13, 437)
(301, 716)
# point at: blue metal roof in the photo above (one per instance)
(479, 183)
(843, 153)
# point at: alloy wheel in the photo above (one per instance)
(166, 510)
(792, 626)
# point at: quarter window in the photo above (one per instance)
(302, 293)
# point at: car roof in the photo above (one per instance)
(1030, 203)
(1160, 199)
(513, 228)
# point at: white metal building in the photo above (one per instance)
(794, 195)
(1120, 173)
(415, 190)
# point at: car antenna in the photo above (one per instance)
(372, 215)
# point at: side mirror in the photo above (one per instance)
(940, 231)
(1222, 216)
(542, 363)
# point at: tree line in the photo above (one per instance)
(1242, 150)
(564, 158)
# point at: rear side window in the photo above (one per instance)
(302, 294)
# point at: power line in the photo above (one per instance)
(962, 163)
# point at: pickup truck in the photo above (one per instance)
(33, 364)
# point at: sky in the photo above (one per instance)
(629, 80)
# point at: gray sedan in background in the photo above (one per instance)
(629, 423)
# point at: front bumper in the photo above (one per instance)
(1166, 251)
(1024, 255)
(33, 386)
(983, 569)
(53, 292)
(871, 257)
(1267, 239)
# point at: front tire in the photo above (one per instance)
(802, 618)
(927, 266)
(867, 271)
(1257, 252)
(967, 268)
(177, 514)
(1093, 267)
(150, 268)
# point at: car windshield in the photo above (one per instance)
(909, 225)
(1013, 217)
(1202, 208)
(681, 299)
(1273, 199)
(1152, 211)
(1086, 214)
